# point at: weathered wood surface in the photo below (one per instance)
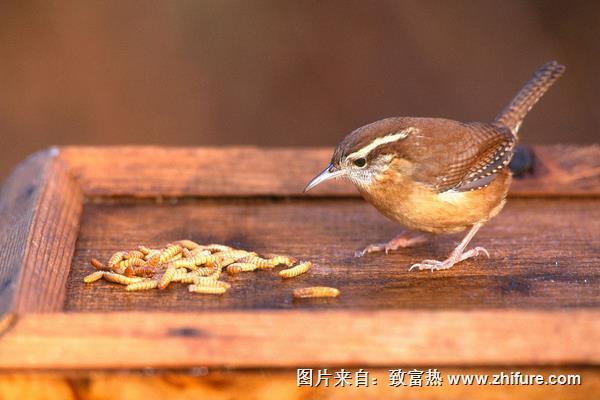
(537, 295)
(292, 338)
(40, 207)
(250, 385)
(247, 171)
(544, 254)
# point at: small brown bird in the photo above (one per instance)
(436, 175)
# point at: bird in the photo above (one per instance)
(436, 175)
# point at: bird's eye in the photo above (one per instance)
(360, 162)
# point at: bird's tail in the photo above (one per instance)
(513, 114)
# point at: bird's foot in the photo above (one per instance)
(405, 239)
(454, 258)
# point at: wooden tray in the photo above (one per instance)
(535, 301)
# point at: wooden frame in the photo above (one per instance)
(40, 207)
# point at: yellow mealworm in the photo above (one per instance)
(144, 270)
(93, 277)
(185, 253)
(183, 276)
(184, 263)
(187, 244)
(208, 281)
(168, 253)
(216, 274)
(122, 266)
(131, 262)
(144, 250)
(115, 258)
(207, 289)
(122, 279)
(98, 265)
(282, 260)
(205, 271)
(202, 259)
(153, 258)
(236, 268)
(260, 262)
(167, 277)
(213, 248)
(229, 257)
(142, 285)
(316, 291)
(203, 252)
(295, 271)
(134, 254)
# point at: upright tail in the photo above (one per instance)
(513, 114)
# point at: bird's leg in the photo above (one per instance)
(404, 239)
(458, 254)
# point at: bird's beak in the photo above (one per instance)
(330, 172)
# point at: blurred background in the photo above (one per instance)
(283, 73)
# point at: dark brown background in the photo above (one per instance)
(275, 73)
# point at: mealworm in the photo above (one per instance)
(187, 244)
(295, 271)
(213, 248)
(167, 277)
(207, 289)
(144, 250)
(185, 253)
(236, 268)
(185, 277)
(115, 258)
(122, 266)
(142, 285)
(316, 291)
(216, 274)
(153, 258)
(185, 263)
(205, 271)
(225, 258)
(132, 262)
(200, 251)
(144, 270)
(260, 262)
(122, 279)
(207, 281)
(93, 277)
(277, 259)
(202, 259)
(168, 253)
(98, 265)
(134, 254)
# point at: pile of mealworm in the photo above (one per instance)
(198, 265)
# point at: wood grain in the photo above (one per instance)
(40, 205)
(247, 171)
(292, 338)
(51, 242)
(202, 383)
(538, 260)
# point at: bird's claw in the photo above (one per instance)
(435, 265)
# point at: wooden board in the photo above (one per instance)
(520, 274)
(538, 294)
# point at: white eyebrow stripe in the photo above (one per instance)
(394, 137)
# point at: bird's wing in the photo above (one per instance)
(464, 157)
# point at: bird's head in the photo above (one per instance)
(365, 154)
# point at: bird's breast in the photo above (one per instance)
(418, 207)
